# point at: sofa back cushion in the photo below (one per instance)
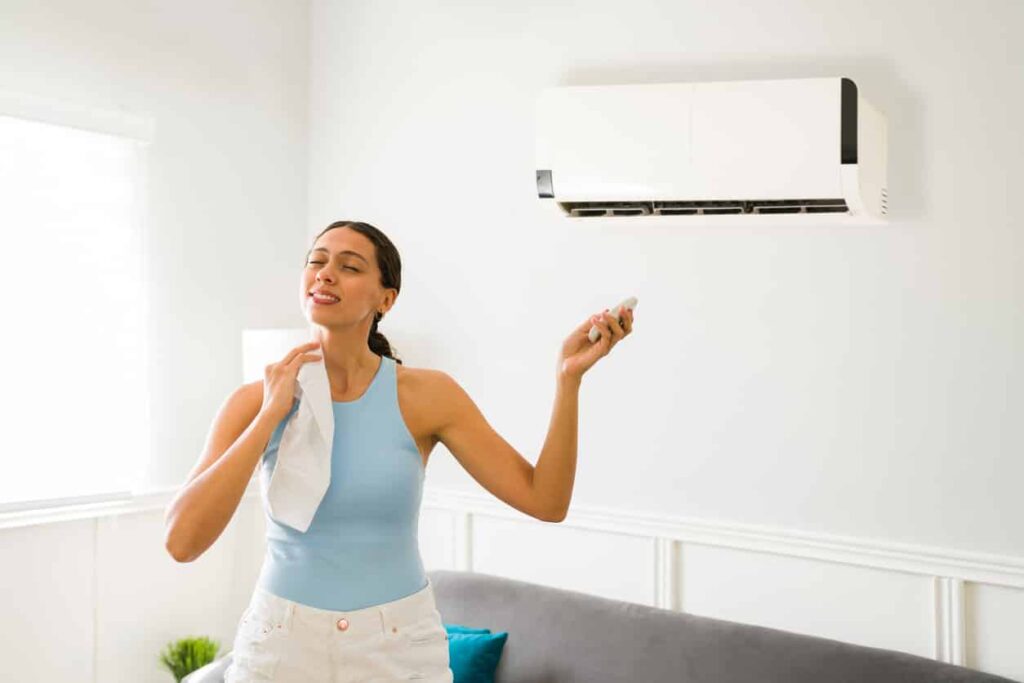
(561, 636)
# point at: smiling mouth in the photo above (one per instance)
(323, 300)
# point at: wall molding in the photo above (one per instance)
(662, 530)
(90, 507)
(950, 633)
(667, 574)
(668, 534)
(945, 563)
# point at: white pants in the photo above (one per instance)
(281, 640)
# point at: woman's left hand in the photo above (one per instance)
(579, 354)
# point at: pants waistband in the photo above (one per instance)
(388, 617)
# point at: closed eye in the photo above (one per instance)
(356, 270)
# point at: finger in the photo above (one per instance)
(605, 327)
(303, 358)
(627, 320)
(613, 324)
(621, 318)
(585, 325)
(597, 320)
(590, 322)
(300, 349)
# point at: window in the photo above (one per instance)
(73, 298)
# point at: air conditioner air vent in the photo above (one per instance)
(686, 208)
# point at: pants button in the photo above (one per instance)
(342, 624)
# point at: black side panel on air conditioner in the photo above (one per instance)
(544, 187)
(848, 122)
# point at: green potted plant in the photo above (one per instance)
(184, 656)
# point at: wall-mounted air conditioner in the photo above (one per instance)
(806, 149)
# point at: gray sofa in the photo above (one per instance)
(561, 636)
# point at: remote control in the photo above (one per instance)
(595, 331)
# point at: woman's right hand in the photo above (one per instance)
(279, 380)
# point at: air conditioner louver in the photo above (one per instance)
(689, 208)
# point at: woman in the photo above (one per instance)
(348, 599)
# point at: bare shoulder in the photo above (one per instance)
(245, 402)
(420, 378)
(431, 392)
(235, 414)
(251, 394)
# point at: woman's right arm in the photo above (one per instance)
(239, 435)
(213, 489)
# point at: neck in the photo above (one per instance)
(347, 359)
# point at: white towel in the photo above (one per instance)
(302, 472)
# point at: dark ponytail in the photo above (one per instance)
(390, 266)
(378, 342)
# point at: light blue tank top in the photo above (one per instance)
(362, 546)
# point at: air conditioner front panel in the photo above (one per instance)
(766, 139)
(692, 141)
(588, 136)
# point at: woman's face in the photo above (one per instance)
(342, 262)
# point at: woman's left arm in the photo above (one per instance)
(544, 490)
(555, 471)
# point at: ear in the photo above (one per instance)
(389, 300)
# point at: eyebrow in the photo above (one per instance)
(346, 251)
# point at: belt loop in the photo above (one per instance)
(383, 622)
(289, 614)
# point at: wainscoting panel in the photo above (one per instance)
(994, 624)
(49, 602)
(615, 566)
(132, 566)
(848, 603)
(440, 537)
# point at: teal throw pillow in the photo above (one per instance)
(474, 653)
